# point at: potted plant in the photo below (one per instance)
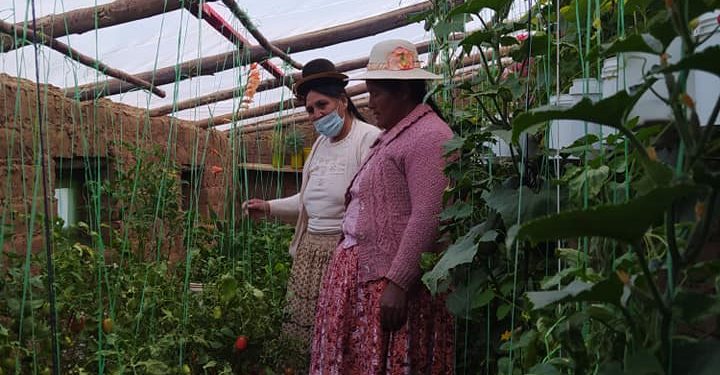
(277, 149)
(294, 142)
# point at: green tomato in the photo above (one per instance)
(186, 369)
(217, 312)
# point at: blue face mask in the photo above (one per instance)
(329, 125)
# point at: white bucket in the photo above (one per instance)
(563, 133)
(705, 87)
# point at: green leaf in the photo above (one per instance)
(454, 144)
(643, 363)
(694, 306)
(610, 111)
(542, 299)
(461, 252)
(466, 298)
(623, 222)
(610, 368)
(505, 200)
(608, 290)
(454, 24)
(475, 6)
(503, 311)
(706, 61)
(227, 288)
(700, 358)
(482, 299)
(477, 39)
(544, 369)
(459, 210)
(634, 43)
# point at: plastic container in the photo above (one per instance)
(705, 87)
(563, 133)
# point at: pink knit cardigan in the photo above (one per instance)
(401, 198)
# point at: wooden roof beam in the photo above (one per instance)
(359, 89)
(308, 41)
(245, 20)
(214, 19)
(82, 20)
(267, 84)
(40, 38)
(267, 109)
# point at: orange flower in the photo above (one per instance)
(506, 335)
(688, 100)
(623, 276)
(699, 210)
(216, 169)
(652, 154)
(401, 59)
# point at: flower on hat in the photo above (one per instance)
(401, 59)
(522, 37)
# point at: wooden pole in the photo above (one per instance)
(355, 90)
(245, 20)
(214, 19)
(82, 20)
(267, 109)
(63, 48)
(219, 96)
(212, 64)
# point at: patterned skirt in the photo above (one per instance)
(313, 255)
(349, 338)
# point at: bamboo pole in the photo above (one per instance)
(312, 40)
(245, 20)
(268, 84)
(82, 20)
(40, 38)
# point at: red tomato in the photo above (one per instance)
(241, 343)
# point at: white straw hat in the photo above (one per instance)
(395, 59)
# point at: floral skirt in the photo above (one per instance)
(313, 255)
(349, 338)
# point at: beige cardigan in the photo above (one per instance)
(291, 209)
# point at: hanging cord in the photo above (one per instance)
(523, 156)
(46, 203)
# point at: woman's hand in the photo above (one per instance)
(256, 208)
(393, 307)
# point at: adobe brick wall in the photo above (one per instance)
(87, 130)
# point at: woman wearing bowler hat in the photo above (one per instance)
(317, 210)
(374, 315)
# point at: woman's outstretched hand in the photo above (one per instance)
(256, 209)
(393, 307)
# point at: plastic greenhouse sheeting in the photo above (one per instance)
(177, 36)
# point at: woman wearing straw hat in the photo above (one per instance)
(374, 315)
(318, 208)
